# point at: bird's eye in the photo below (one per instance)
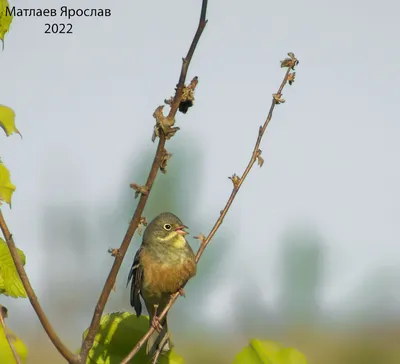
(167, 227)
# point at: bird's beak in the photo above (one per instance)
(181, 230)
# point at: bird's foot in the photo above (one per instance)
(155, 322)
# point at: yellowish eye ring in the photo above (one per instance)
(167, 227)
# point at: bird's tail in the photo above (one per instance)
(159, 340)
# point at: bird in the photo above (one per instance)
(162, 266)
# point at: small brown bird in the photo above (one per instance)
(162, 265)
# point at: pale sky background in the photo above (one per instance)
(84, 104)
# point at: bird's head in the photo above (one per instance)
(166, 229)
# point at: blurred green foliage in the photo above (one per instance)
(268, 352)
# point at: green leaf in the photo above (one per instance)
(118, 334)
(7, 120)
(268, 352)
(5, 20)
(6, 355)
(248, 355)
(6, 186)
(10, 283)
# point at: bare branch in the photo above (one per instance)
(186, 61)
(3, 315)
(158, 161)
(237, 183)
(64, 351)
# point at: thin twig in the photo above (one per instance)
(94, 325)
(237, 183)
(160, 348)
(236, 186)
(64, 351)
(3, 310)
(187, 59)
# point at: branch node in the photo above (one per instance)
(235, 180)
(142, 222)
(144, 190)
(201, 237)
(260, 159)
(164, 123)
(113, 251)
(278, 98)
(181, 292)
(291, 77)
(164, 161)
(187, 98)
(290, 62)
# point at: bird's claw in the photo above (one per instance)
(155, 322)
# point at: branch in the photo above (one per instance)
(290, 63)
(3, 315)
(187, 59)
(255, 156)
(64, 351)
(136, 219)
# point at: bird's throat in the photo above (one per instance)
(175, 240)
(178, 241)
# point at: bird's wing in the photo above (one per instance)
(136, 274)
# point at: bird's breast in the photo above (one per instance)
(164, 277)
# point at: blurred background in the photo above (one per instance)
(309, 253)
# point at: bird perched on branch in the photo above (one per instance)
(162, 265)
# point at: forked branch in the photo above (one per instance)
(237, 181)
